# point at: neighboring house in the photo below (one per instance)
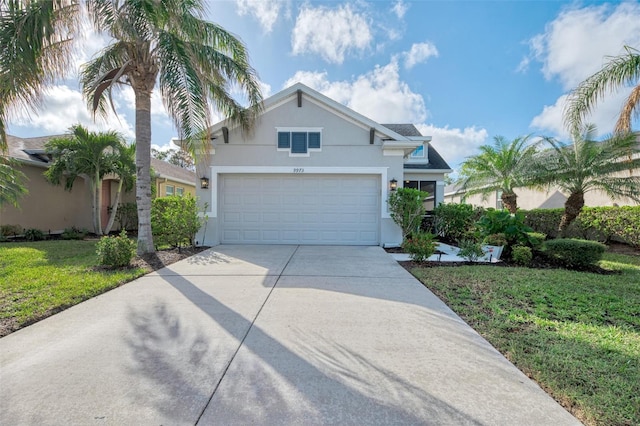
(172, 180)
(51, 208)
(312, 171)
(529, 199)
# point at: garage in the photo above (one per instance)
(299, 209)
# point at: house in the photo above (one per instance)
(52, 209)
(172, 180)
(530, 198)
(312, 171)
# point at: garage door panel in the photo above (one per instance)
(300, 209)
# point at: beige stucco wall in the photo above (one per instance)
(161, 187)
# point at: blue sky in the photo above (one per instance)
(462, 71)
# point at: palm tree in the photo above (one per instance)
(124, 167)
(501, 167)
(586, 165)
(85, 154)
(621, 71)
(195, 63)
(34, 48)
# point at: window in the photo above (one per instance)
(428, 186)
(180, 191)
(169, 190)
(418, 152)
(299, 142)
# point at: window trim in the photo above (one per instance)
(179, 191)
(291, 131)
(418, 157)
(166, 190)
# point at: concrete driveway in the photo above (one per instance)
(265, 335)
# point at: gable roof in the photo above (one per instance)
(167, 170)
(436, 162)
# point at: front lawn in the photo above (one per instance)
(576, 333)
(41, 278)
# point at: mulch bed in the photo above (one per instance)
(161, 258)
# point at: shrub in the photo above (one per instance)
(34, 234)
(614, 222)
(175, 221)
(546, 221)
(512, 226)
(116, 251)
(10, 230)
(454, 221)
(406, 207)
(536, 239)
(574, 252)
(470, 250)
(420, 246)
(498, 239)
(127, 216)
(74, 233)
(521, 255)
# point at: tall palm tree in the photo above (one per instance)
(85, 154)
(586, 165)
(34, 48)
(195, 64)
(620, 71)
(499, 167)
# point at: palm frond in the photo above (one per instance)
(12, 180)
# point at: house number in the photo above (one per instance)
(298, 170)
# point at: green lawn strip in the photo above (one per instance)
(40, 278)
(577, 334)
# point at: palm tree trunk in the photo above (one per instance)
(143, 170)
(114, 209)
(510, 202)
(95, 205)
(572, 208)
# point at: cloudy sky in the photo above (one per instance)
(463, 72)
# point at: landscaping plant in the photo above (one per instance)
(34, 234)
(420, 246)
(470, 250)
(175, 221)
(511, 225)
(116, 252)
(406, 207)
(521, 255)
(454, 221)
(573, 252)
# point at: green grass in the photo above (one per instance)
(576, 333)
(40, 278)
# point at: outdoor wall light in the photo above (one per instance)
(393, 184)
(204, 182)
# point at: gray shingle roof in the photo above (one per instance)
(436, 162)
(168, 170)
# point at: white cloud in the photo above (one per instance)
(266, 12)
(576, 45)
(378, 94)
(419, 53)
(454, 145)
(400, 8)
(331, 33)
(63, 107)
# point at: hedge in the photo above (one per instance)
(594, 223)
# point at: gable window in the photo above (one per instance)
(299, 141)
(169, 190)
(418, 153)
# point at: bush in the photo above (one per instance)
(34, 234)
(521, 255)
(498, 239)
(470, 250)
(127, 216)
(536, 240)
(614, 222)
(74, 233)
(406, 207)
(574, 252)
(10, 230)
(420, 246)
(546, 221)
(512, 226)
(117, 251)
(175, 221)
(454, 221)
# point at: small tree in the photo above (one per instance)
(175, 221)
(406, 206)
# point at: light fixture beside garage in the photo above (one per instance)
(204, 182)
(393, 184)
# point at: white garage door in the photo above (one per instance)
(300, 209)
